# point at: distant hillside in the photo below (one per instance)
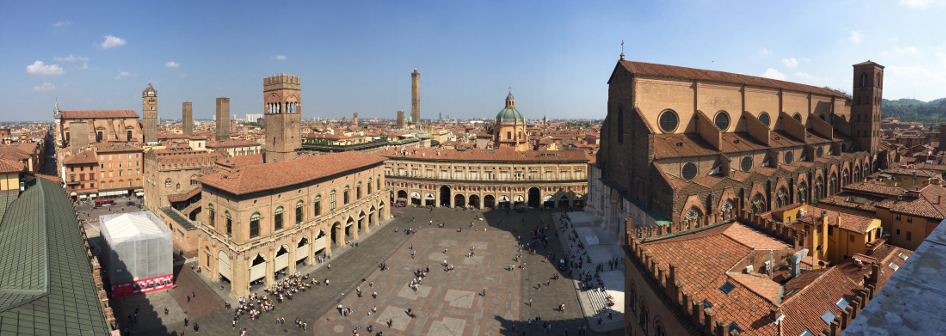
(915, 110)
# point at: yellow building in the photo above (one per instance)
(832, 235)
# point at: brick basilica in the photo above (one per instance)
(681, 143)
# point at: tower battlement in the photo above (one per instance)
(282, 81)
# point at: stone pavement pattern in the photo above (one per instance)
(447, 303)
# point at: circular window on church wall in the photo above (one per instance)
(668, 121)
(788, 157)
(747, 163)
(689, 171)
(722, 120)
(764, 118)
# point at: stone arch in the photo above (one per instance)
(350, 229)
(757, 203)
(728, 196)
(224, 268)
(818, 189)
(692, 214)
(693, 201)
(362, 221)
(372, 216)
(781, 197)
(801, 196)
(338, 233)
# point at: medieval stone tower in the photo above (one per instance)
(149, 113)
(415, 97)
(187, 121)
(283, 111)
(865, 113)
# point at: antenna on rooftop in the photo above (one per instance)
(622, 46)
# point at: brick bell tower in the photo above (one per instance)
(282, 103)
(149, 113)
(865, 111)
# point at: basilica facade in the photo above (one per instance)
(681, 143)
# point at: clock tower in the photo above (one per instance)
(149, 113)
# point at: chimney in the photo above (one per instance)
(796, 260)
(874, 273)
(939, 200)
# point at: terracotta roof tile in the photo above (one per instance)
(10, 166)
(849, 222)
(99, 114)
(663, 70)
(83, 157)
(303, 169)
(822, 289)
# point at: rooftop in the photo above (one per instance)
(914, 299)
(46, 281)
(488, 155)
(99, 114)
(303, 169)
(662, 70)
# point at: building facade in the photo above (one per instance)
(171, 177)
(485, 179)
(685, 143)
(266, 218)
(120, 169)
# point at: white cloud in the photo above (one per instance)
(71, 58)
(62, 24)
(912, 72)
(764, 51)
(790, 62)
(84, 66)
(183, 75)
(917, 3)
(173, 65)
(44, 87)
(112, 41)
(774, 74)
(806, 59)
(907, 50)
(39, 68)
(280, 57)
(810, 78)
(124, 74)
(855, 36)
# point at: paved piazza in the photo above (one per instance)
(446, 303)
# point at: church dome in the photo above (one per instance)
(510, 114)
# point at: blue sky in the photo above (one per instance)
(356, 56)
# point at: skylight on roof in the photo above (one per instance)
(727, 287)
(903, 256)
(827, 317)
(707, 304)
(734, 326)
(842, 303)
(894, 266)
(806, 333)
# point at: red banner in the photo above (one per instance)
(143, 286)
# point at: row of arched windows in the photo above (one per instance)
(639, 308)
(279, 212)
